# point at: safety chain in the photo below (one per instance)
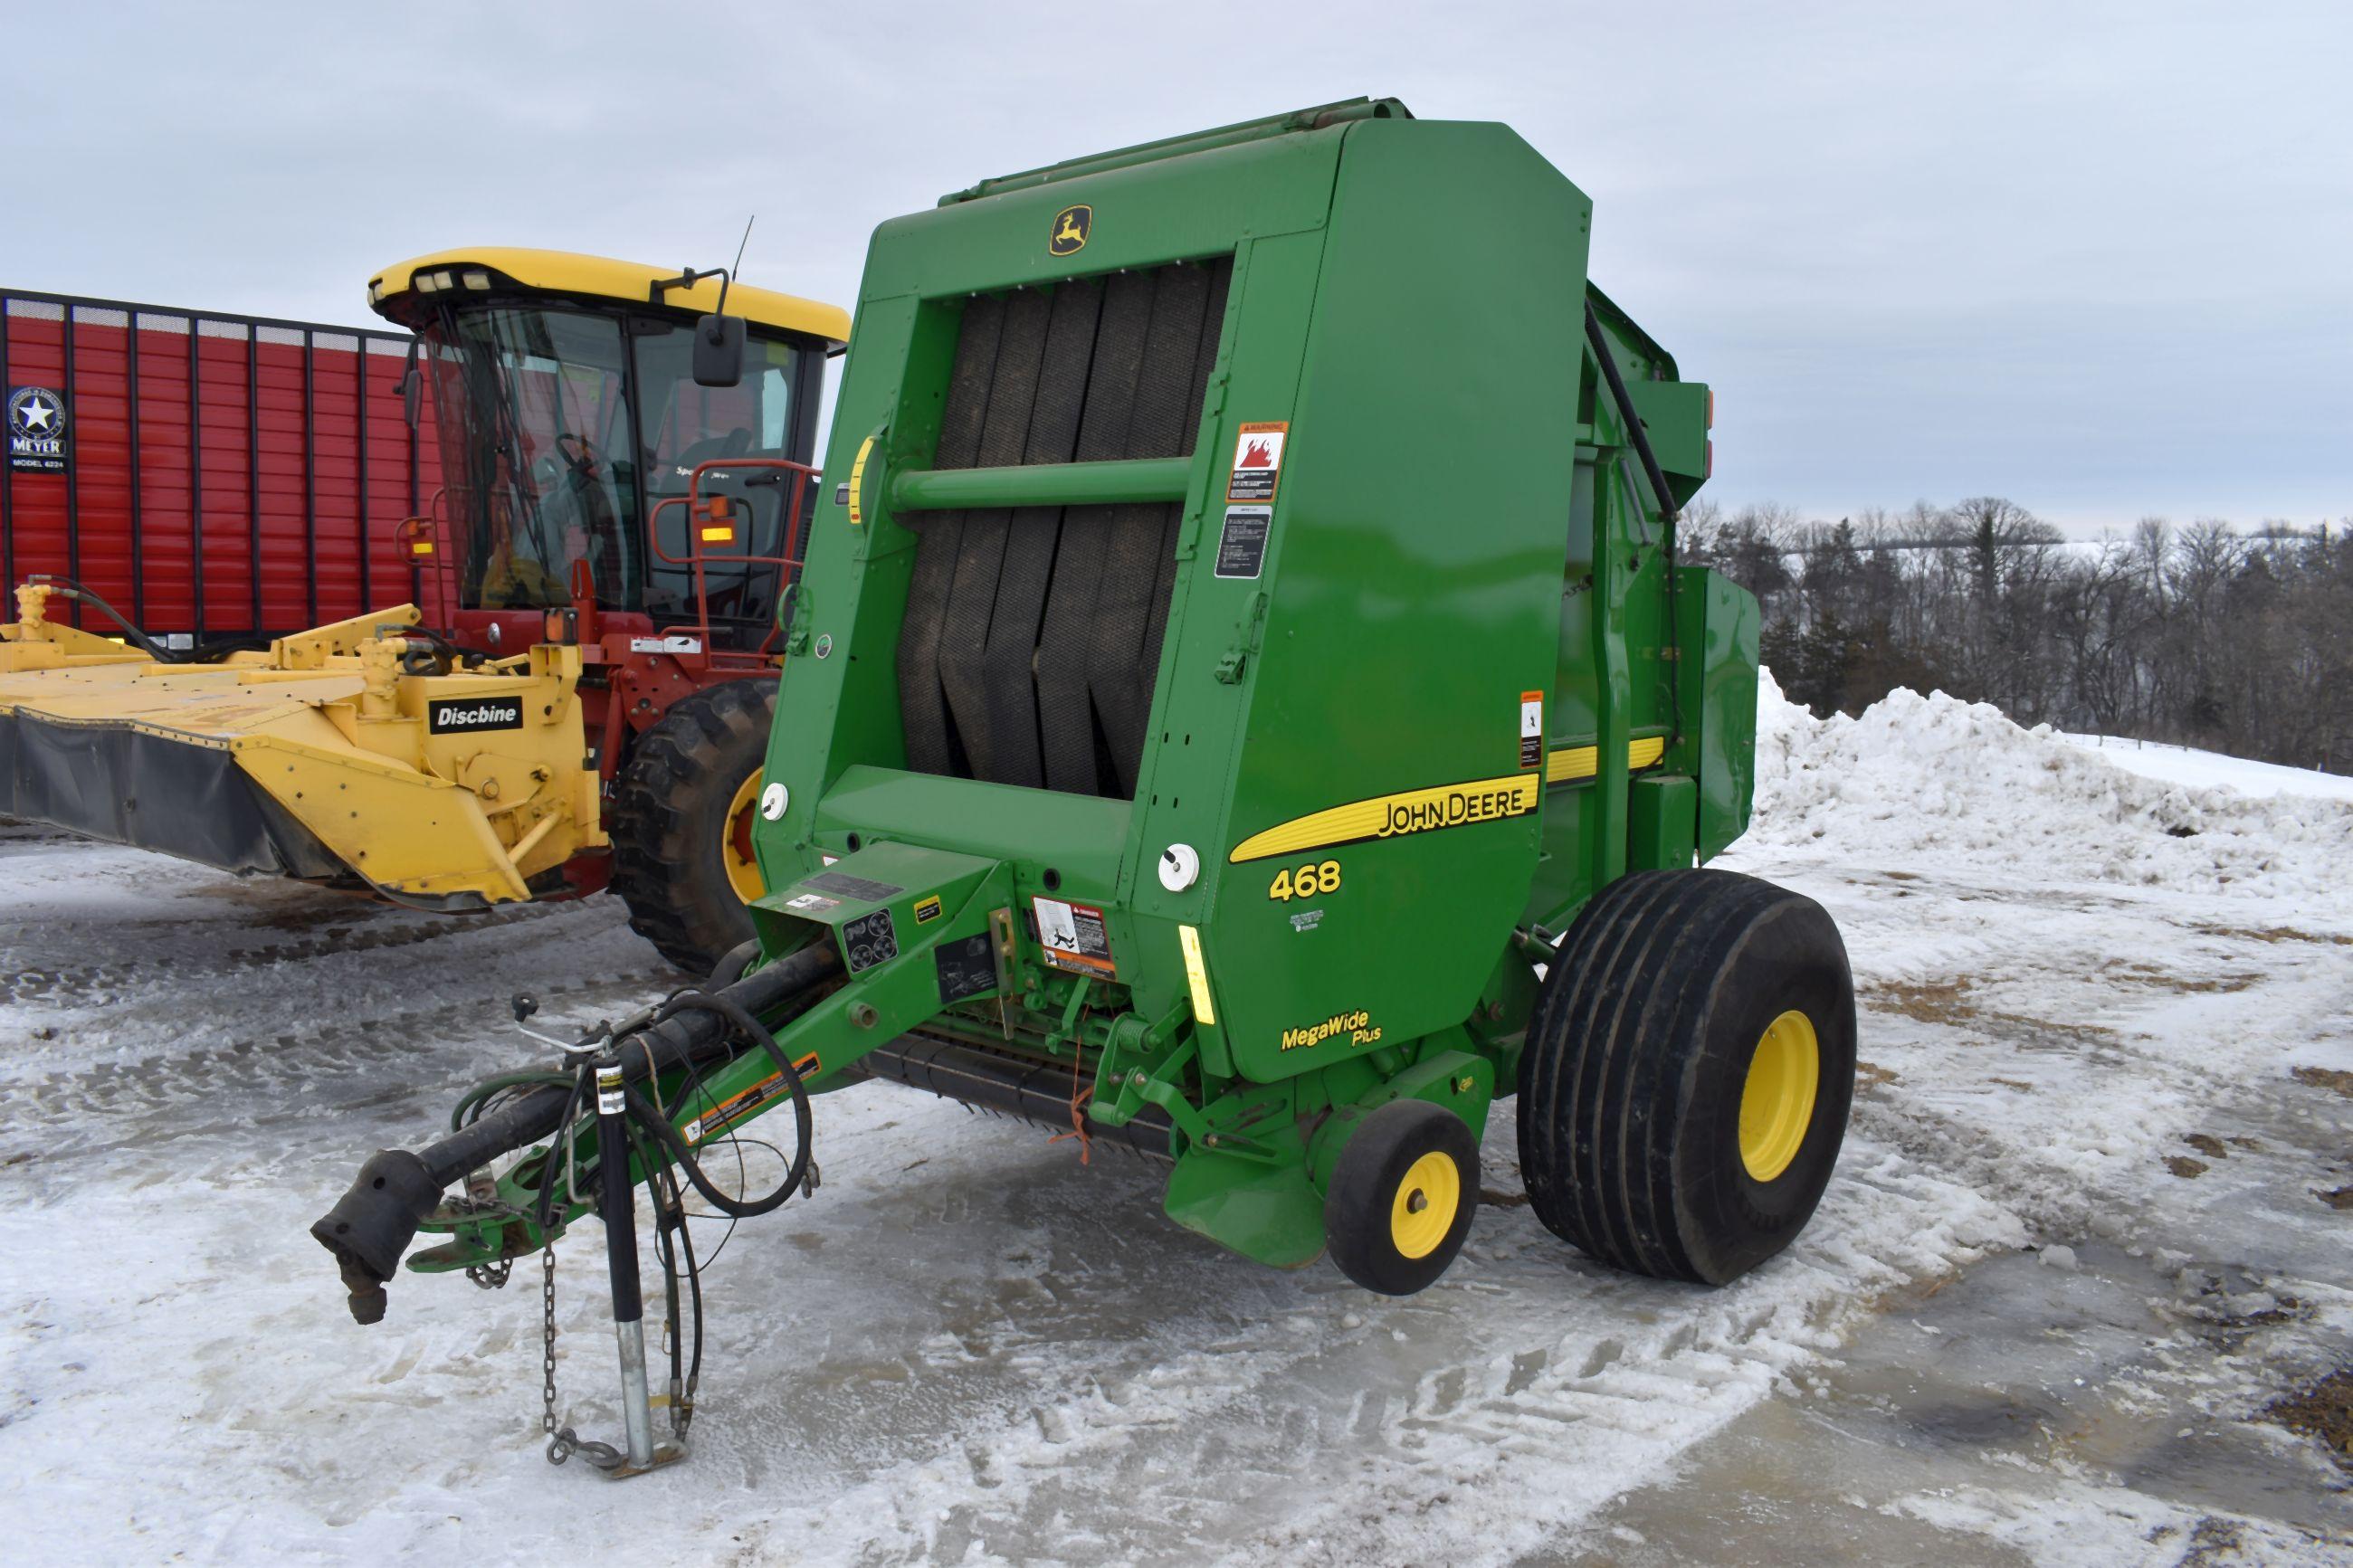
(562, 1441)
(547, 1342)
(492, 1276)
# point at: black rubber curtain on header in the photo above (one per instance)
(1032, 634)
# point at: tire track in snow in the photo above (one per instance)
(111, 980)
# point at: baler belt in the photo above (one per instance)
(922, 702)
(980, 555)
(1008, 682)
(1032, 637)
(1122, 657)
(1066, 722)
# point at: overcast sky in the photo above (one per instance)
(2095, 257)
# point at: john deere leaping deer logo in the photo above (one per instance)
(1068, 234)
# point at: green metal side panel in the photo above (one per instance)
(1588, 839)
(1662, 822)
(1674, 416)
(1412, 594)
(1724, 668)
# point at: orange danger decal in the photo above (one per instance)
(741, 1104)
(1257, 461)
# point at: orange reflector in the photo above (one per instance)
(718, 535)
(420, 547)
(1711, 408)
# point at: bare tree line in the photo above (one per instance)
(2199, 634)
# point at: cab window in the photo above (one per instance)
(683, 426)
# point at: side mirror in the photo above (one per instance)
(719, 350)
(412, 388)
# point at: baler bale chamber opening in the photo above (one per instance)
(1244, 700)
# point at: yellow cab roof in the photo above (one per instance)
(563, 273)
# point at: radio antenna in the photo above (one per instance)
(727, 275)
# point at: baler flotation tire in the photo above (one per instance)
(673, 822)
(1687, 1075)
(1402, 1197)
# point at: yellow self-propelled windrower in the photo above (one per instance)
(356, 754)
(581, 691)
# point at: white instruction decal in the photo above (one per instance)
(1074, 937)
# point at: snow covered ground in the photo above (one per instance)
(2090, 1222)
(2212, 770)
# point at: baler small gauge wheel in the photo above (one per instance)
(1402, 1197)
(1685, 1084)
(681, 818)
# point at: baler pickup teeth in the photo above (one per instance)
(1009, 1084)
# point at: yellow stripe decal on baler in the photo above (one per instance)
(1439, 806)
(1571, 762)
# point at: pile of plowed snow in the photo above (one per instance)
(1936, 776)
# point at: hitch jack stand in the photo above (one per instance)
(617, 1205)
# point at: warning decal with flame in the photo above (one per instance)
(1257, 461)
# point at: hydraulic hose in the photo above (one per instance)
(1635, 429)
(482, 1092)
(679, 1036)
(373, 1222)
(71, 589)
(803, 1122)
(672, 1235)
(732, 963)
(650, 1116)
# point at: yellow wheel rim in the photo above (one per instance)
(1426, 1204)
(735, 848)
(1777, 1104)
